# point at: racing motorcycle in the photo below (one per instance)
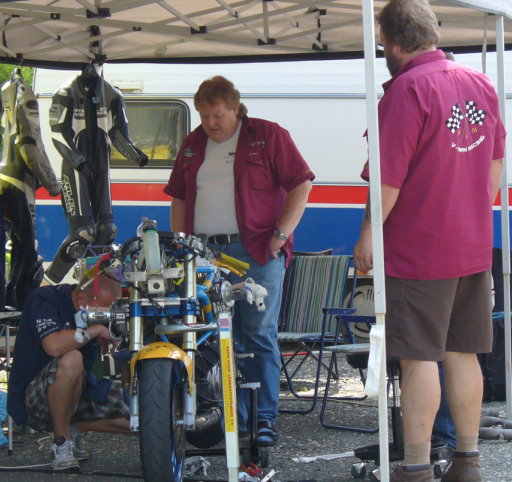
(176, 325)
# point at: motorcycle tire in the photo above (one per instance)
(162, 438)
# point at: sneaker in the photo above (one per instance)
(79, 451)
(267, 434)
(61, 453)
(422, 473)
(464, 467)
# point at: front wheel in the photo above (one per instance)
(161, 432)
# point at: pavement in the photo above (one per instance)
(116, 457)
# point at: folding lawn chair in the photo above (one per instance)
(311, 283)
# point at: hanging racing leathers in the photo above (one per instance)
(86, 116)
(24, 167)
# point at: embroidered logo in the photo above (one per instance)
(474, 115)
(67, 195)
(188, 152)
(471, 118)
(43, 324)
(257, 143)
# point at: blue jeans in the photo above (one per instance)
(256, 332)
(444, 428)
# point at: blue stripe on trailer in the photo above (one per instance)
(320, 228)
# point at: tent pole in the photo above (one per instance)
(376, 215)
(505, 219)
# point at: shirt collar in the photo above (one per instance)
(414, 62)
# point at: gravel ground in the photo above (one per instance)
(116, 457)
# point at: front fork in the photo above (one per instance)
(190, 345)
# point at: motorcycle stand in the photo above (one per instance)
(253, 453)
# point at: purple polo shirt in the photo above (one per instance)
(267, 166)
(440, 129)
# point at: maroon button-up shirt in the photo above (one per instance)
(267, 166)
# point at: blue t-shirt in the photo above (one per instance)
(46, 310)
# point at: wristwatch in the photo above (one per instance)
(278, 233)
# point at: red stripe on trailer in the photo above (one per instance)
(320, 194)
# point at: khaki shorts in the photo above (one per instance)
(426, 318)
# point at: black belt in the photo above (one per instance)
(224, 238)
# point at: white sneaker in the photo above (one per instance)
(79, 451)
(62, 455)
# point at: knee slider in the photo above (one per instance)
(105, 233)
(78, 240)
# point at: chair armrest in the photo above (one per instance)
(339, 311)
(357, 318)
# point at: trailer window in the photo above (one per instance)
(157, 127)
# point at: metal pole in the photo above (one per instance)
(505, 219)
(376, 215)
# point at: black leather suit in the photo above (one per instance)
(24, 167)
(86, 116)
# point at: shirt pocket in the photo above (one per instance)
(261, 176)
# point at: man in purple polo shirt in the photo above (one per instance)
(243, 184)
(442, 148)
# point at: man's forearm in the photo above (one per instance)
(294, 207)
(178, 215)
(389, 196)
(496, 170)
(60, 342)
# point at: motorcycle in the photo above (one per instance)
(176, 325)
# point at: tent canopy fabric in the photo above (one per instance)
(69, 33)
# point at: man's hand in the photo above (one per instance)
(363, 252)
(102, 335)
(275, 247)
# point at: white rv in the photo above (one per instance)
(321, 103)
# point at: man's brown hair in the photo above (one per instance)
(217, 89)
(410, 24)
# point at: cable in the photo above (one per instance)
(28, 468)
(21, 467)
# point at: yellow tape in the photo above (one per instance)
(227, 383)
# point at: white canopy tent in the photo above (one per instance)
(71, 33)
(67, 32)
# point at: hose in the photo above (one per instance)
(495, 428)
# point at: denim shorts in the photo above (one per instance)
(38, 411)
(426, 318)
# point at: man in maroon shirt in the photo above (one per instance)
(243, 184)
(442, 147)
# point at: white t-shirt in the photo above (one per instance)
(215, 199)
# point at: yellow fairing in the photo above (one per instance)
(161, 349)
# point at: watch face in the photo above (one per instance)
(278, 233)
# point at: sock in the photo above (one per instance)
(467, 443)
(417, 453)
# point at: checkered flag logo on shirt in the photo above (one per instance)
(474, 115)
